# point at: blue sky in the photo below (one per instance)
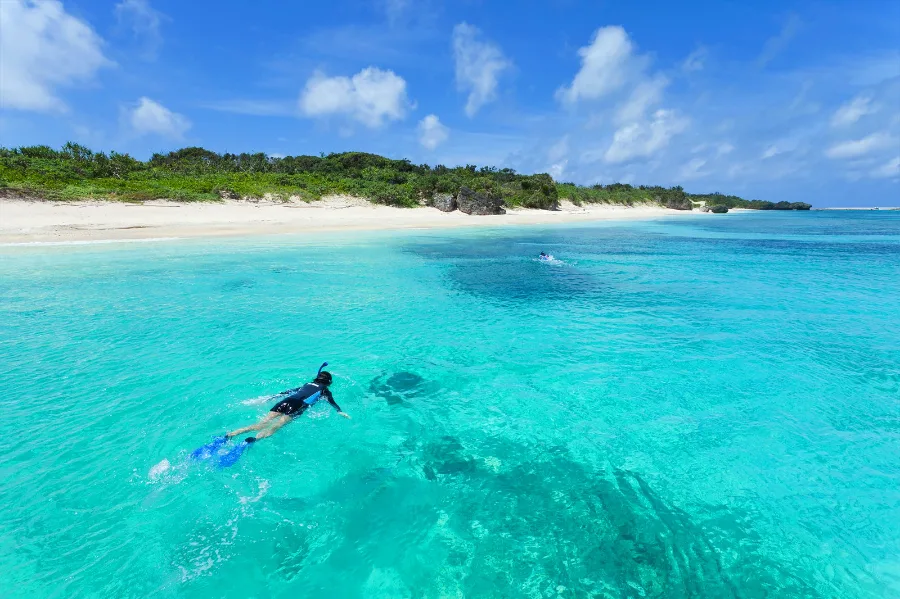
(771, 100)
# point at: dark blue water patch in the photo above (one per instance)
(237, 285)
(524, 280)
(505, 268)
(399, 388)
(589, 266)
(446, 456)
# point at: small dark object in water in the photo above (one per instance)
(237, 284)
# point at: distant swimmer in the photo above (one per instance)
(545, 257)
(294, 403)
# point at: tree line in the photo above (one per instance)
(197, 174)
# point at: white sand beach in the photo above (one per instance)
(29, 221)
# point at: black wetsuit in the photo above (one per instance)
(297, 400)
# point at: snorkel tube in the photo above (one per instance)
(324, 364)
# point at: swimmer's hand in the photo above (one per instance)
(345, 415)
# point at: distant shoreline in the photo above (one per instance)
(37, 222)
(862, 208)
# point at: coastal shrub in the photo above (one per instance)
(197, 174)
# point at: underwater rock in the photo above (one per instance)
(398, 387)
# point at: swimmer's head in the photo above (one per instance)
(323, 378)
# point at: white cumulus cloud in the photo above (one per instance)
(150, 117)
(861, 147)
(432, 132)
(644, 138)
(42, 48)
(370, 97)
(479, 64)
(606, 65)
(852, 111)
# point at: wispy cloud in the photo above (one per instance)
(254, 107)
(861, 147)
(479, 64)
(692, 170)
(852, 111)
(646, 94)
(351, 43)
(777, 44)
(395, 8)
(889, 169)
(643, 139)
(144, 21)
(695, 61)
(771, 152)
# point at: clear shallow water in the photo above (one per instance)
(681, 408)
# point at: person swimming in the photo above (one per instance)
(294, 403)
(545, 256)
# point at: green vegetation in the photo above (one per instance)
(195, 174)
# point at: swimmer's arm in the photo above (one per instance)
(333, 403)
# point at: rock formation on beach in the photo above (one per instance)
(472, 202)
(679, 204)
(444, 202)
(467, 201)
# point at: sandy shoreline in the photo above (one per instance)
(26, 221)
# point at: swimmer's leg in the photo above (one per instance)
(254, 427)
(275, 426)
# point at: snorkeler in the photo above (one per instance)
(545, 256)
(294, 403)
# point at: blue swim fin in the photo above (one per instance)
(226, 460)
(207, 451)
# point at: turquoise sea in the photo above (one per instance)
(691, 407)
